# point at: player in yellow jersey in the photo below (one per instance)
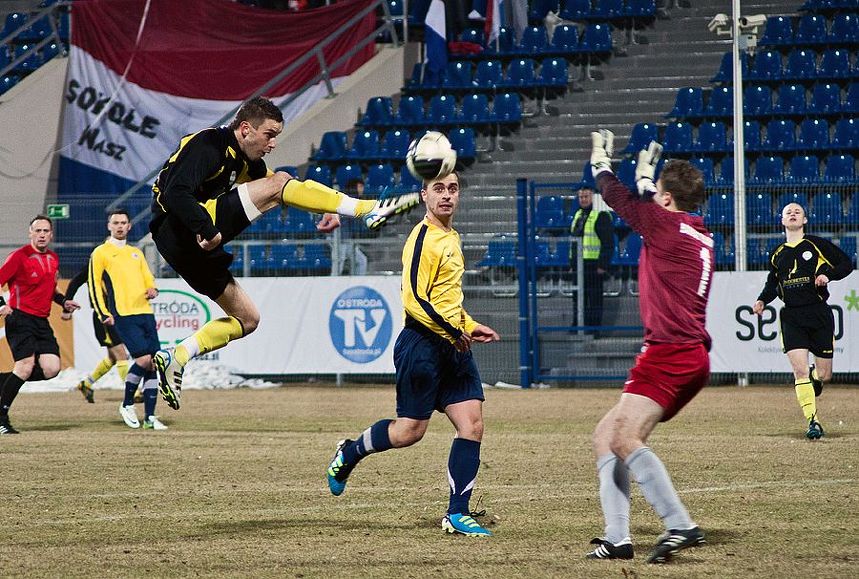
(209, 190)
(433, 358)
(121, 285)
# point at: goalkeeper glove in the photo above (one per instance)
(602, 147)
(645, 169)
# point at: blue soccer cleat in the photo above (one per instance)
(338, 471)
(464, 524)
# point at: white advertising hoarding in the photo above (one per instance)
(318, 325)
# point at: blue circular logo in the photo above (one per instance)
(360, 324)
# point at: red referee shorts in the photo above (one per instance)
(670, 375)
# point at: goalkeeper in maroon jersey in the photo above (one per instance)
(800, 270)
(674, 273)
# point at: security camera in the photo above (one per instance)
(754, 21)
(719, 21)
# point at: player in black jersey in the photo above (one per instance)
(209, 190)
(800, 269)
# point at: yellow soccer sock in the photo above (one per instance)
(318, 198)
(102, 368)
(805, 396)
(122, 369)
(213, 335)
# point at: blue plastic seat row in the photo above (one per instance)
(611, 10)
(760, 100)
(823, 210)
(811, 29)
(490, 75)
(566, 40)
(380, 179)
(800, 64)
(284, 257)
(505, 108)
(366, 145)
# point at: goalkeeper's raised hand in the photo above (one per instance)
(602, 147)
(645, 169)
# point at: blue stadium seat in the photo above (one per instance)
(835, 64)
(489, 74)
(626, 172)
(505, 45)
(844, 29)
(575, 9)
(408, 183)
(848, 246)
(554, 73)
(851, 99)
(767, 66)
(587, 177)
(521, 73)
(51, 50)
(805, 169)
(379, 113)
(32, 61)
(475, 109)
(596, 38)
(457, 76)
(423, 78)
(317, 257)
(507, 108)
(726, 171)
(846, 134)
(825, 98)
(853, 208)
(751, 135)
(259, 262)
(813, 135)
(689, 102)
(539, 9)
(365, 146)
(811, 30)
(607, 9)
(500, 252)
(705, 165)
(268, 223)
(769, 169)
(777, 32)
(442, 110)
(464, 143)
(332, 147)
(14, 20)
(565, 40)
(319, 173)
(726, 68)
(642, 135)
(534, 41)
(474, 36)
(380, 179)
(839, 169)
(712, 137)
(791, 100)
(64, 27)
(781, 136)
(291, 169)
(346, 173)
(629, 253)
(677, 138)
(797, 197)
(723, 249)
(720, 210)
(7, 81)
(410, 111)
(299, 222)
(395, 144)
(640, 8)
(759, 210)
(550, 213)
(721, 102)
(801, 64)
(827, 210)
(38, 29)
(757, 100)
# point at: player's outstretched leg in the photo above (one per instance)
(671, 542)
(169, 377)
(390, 206)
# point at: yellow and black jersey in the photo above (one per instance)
(118, 280)
(794, 266)
(433, 266)
(206, 165)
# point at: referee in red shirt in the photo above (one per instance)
(675, 271)
(31, 274)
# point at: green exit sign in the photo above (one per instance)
(58, 211)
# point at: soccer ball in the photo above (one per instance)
(431, 157)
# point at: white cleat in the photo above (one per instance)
(169, 377)
(389, 207)
(152, 423)
(129, 416)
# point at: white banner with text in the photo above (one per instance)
(317, 325)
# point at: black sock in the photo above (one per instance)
(8, 392)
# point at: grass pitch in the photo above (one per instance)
(236, 488)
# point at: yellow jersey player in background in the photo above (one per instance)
(433, 359)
